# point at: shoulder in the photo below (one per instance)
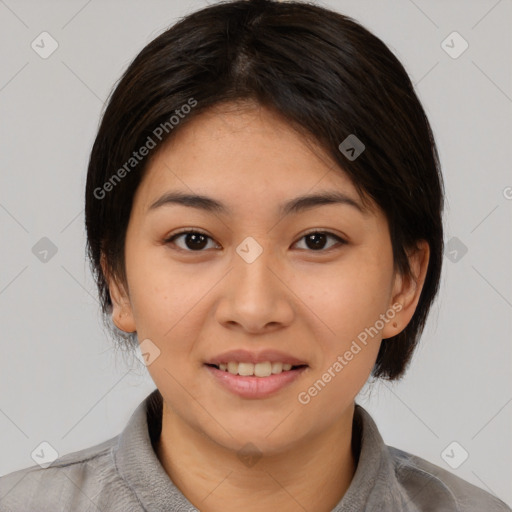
(82, 480)
(425, 482)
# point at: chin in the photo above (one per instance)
(263, 436)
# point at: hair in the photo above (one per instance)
(327, 76)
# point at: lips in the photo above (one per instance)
(246, 373)
(252, 387)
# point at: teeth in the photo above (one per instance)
(277, 367)
(263, 369)
(245, 369)
(259, 369)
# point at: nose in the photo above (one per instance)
(255, 296)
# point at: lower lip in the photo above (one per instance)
(255, 387)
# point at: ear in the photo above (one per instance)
(122, 314)
(407, 290)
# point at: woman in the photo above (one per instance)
(263, 213)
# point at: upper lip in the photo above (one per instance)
(245, 356)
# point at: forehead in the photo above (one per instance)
(249, 154)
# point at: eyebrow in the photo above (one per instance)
(296, 205)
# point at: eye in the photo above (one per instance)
(316, 240)
(194, 240)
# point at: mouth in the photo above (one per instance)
(261, 370)
(251, 375)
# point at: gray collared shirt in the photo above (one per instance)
(124, 474)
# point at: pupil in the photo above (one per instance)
(195, 240)
(318, 240)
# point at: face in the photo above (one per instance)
(252, 281)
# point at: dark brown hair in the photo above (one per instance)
(326, 75)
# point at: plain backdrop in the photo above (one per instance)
(61, 380)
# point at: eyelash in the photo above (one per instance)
(187, 231)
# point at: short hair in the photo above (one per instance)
(327, 76)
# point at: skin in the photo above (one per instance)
(308, 303)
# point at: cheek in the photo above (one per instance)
(350, 297)
(169, 300)
(159, 294)
(348, 305)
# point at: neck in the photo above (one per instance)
(312, 475)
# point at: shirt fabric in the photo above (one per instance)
(123, 474)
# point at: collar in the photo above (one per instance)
(373, 487)
(138, 464)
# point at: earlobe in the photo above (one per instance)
(407, 290)
(122, 314)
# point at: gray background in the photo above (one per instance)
(61, 380)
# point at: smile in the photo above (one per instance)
(264, 369)
(242, 378)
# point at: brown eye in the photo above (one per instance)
(316, 240)
(192, 241)
(197, 241)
